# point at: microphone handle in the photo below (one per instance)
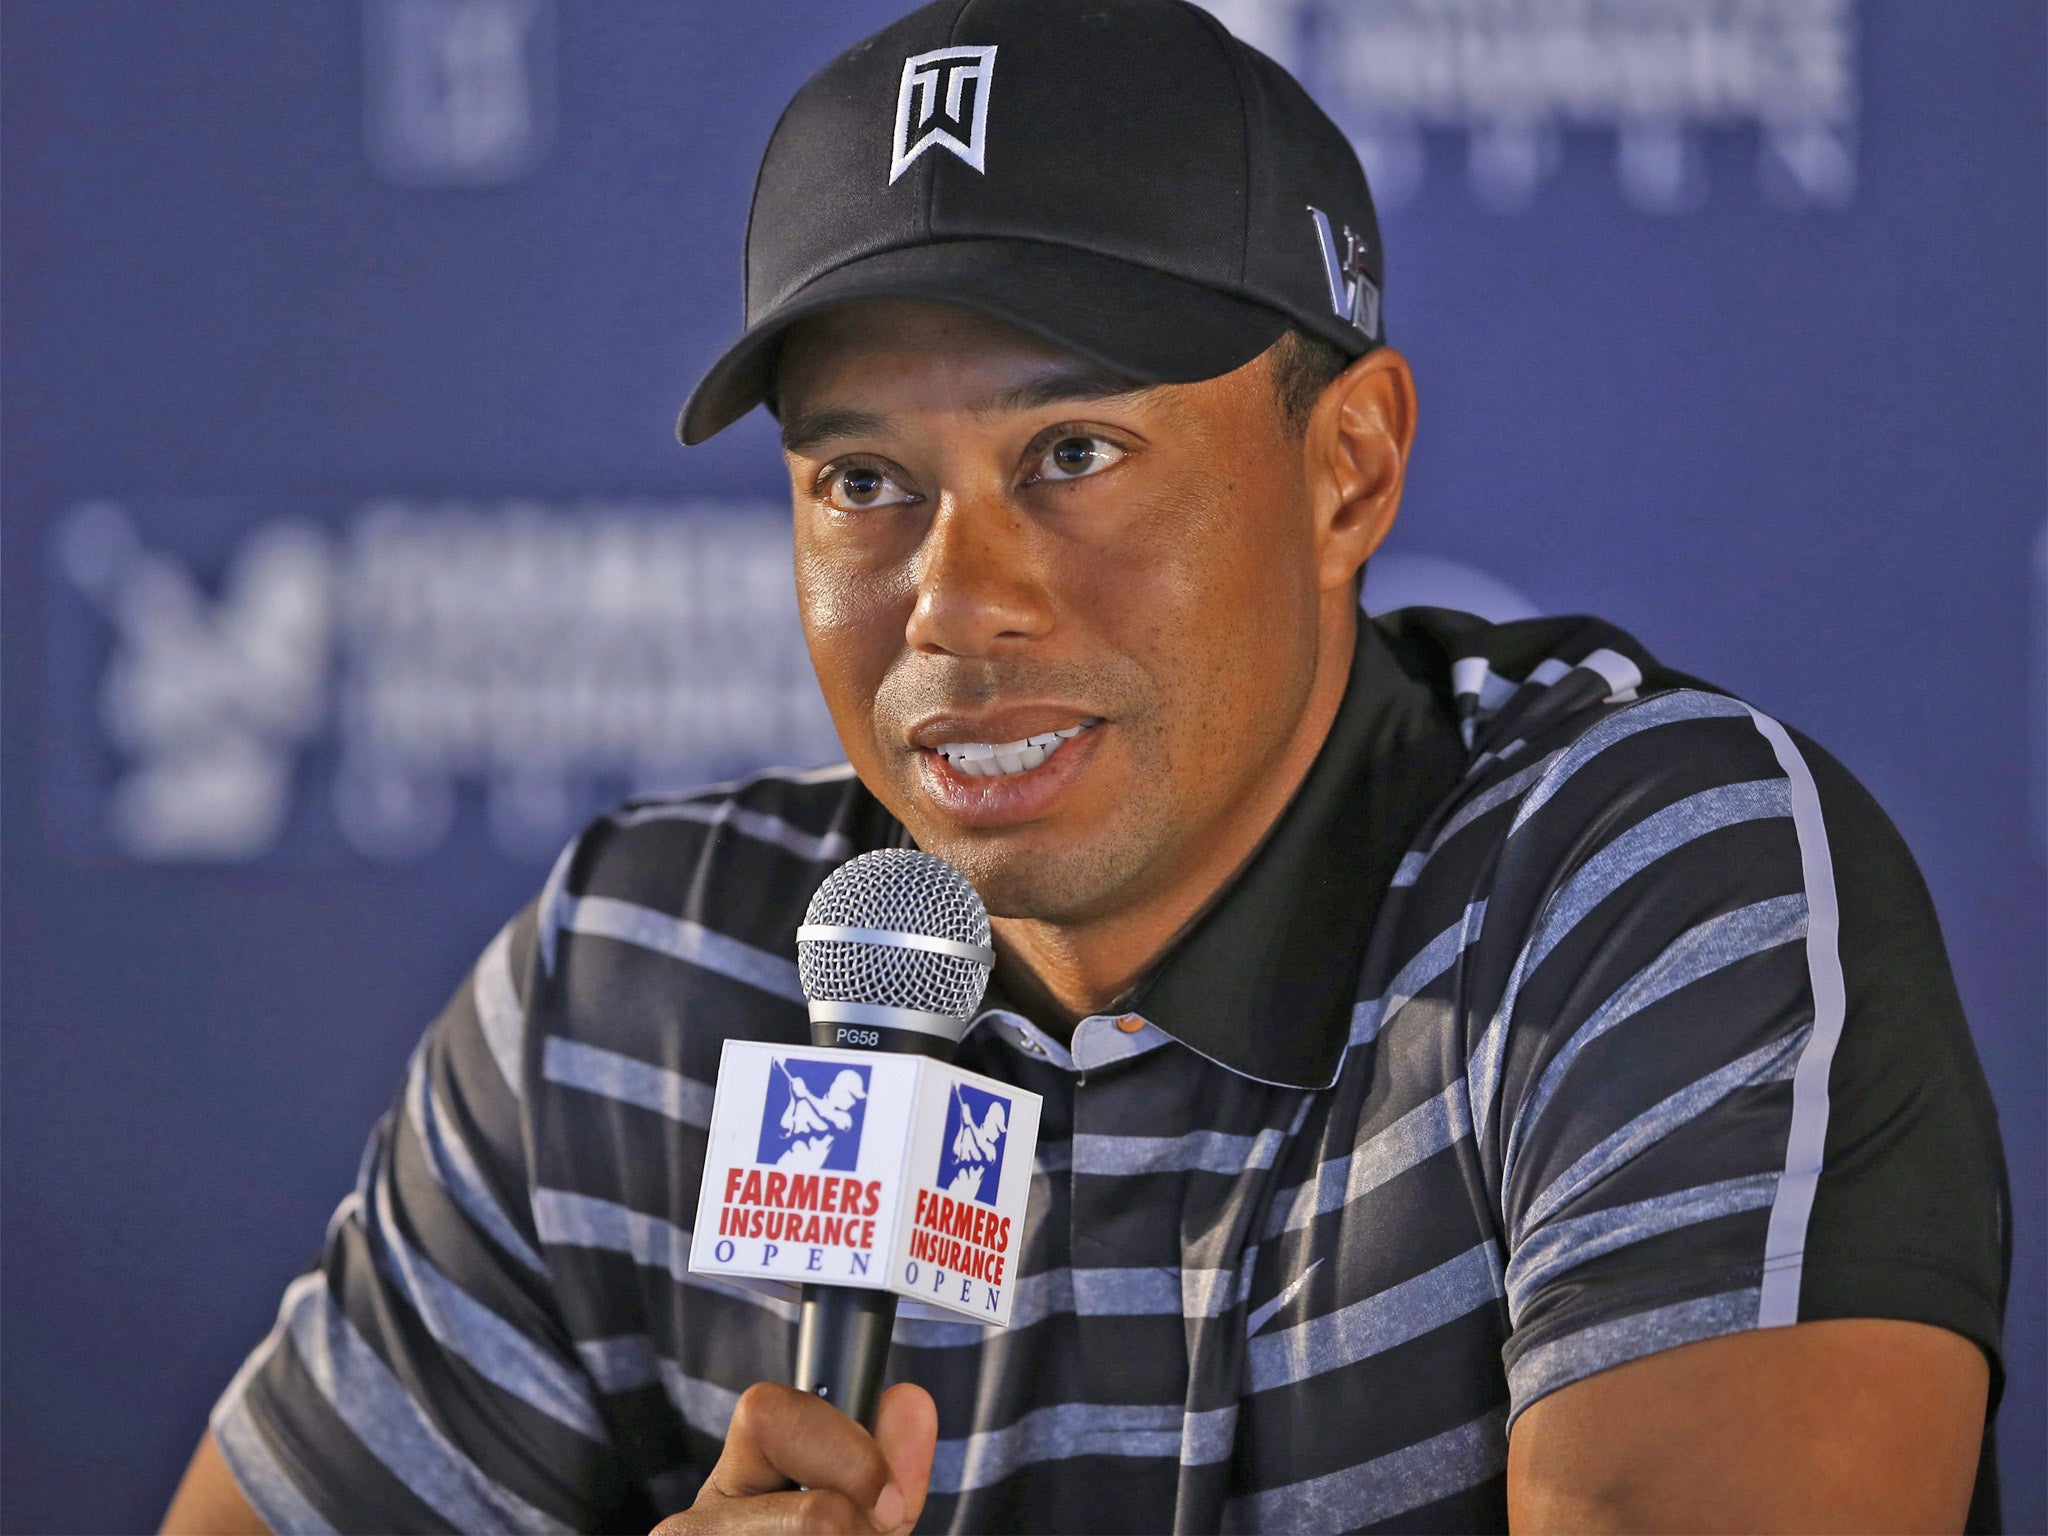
(842, 1331)
(842, 1346)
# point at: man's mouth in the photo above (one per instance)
(1002, 759)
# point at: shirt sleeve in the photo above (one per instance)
(1729, 1084)
(418, 1378)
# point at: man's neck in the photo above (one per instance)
(1060, 973)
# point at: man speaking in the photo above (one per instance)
(1489, 1079)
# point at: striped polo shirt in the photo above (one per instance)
(1572, 1010)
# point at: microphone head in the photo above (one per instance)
(899, 938)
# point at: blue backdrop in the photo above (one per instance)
(348, 557)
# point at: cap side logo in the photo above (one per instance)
(1354, 296)
(943, 101)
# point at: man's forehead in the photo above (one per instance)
(846, 370)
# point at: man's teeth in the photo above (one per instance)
(995, 760)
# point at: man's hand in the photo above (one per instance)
(795, 1464)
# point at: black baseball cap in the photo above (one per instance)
(1122, 178)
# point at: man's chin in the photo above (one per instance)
(1026, 879)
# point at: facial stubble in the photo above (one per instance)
(1035, 871)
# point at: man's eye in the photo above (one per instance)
(1073, 457)
(861, 487)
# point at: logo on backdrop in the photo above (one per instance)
(943, 101)
(209, 697)
(1514, 78)
(971, 1151)
(813, 1115)
(241, 680)
(458, 92)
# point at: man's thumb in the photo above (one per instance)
(907, 1430)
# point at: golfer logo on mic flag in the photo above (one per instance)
(813, 1114)
(971, 1149)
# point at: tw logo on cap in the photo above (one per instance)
(813, 1115)
(943, 101)
(971, 1150)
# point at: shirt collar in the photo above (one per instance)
(1264, 981)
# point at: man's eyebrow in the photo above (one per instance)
(802, 433)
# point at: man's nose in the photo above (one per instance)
(978, 579)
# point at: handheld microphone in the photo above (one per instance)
(894, 955)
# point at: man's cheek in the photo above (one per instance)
(847, 681)
(835, 596)
(853, 620)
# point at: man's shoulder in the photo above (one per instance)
(1506, 680)
(1540, 701)
(806, 815)
(719, 878)
(1624, 825)
(1578, 739)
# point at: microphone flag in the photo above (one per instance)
(879, 1170)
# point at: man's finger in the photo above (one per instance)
(781, 1436)
(907, 1430)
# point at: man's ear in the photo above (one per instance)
(1356, 461)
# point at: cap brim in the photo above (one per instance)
(1140, 322)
